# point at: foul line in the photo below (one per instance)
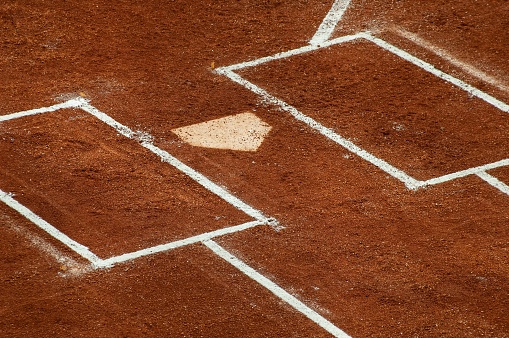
(448, 57)
(275, 289)
(330, 21)
(495, 182)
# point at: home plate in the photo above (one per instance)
(243, 132)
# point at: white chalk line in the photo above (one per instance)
(74, 103)
(80, 249)
(205, 182)
(330, 21)
(284, 55)
(205, 238)
(494, 182)
(98, 263)
(275, 289)
(464, 173)
(109, 262)
(431, 69)
(450, 58)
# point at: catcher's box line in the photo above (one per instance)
(466, 172)
(109, 262)
(409, 181)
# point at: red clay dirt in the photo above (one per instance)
(374, 258)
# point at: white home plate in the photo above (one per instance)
(244, 132)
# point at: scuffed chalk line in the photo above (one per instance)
(80, 249)
(109, 262)
(275, 289)
(494, 182)
(71, 266)
(435, 71)
(74, 103)
(330, 22)
(450, 58)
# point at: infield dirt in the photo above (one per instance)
(374, 258)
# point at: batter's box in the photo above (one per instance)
(408, 118)
(108, 189)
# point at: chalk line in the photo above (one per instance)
(71, 266)
(464, 173)
(431, 69)
(80, 249)
(284, 55)
(109, 262)
(74, 103)
(409, 181)
(209, 185)
(494, 182)
(448, 57)
(330, 21)
(275, 289)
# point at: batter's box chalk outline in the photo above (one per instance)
(409, 181)
(146, 142)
